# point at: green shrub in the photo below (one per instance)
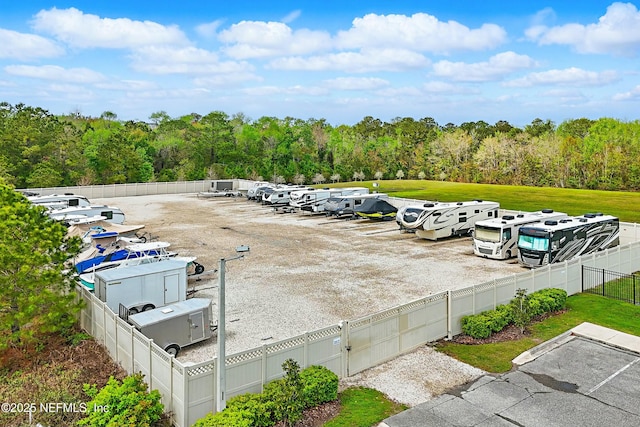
(280, 400)
(320, 385)
(123, 404)
(483, 324)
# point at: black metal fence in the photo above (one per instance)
(612, 284)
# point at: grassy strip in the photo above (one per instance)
(624, 205)
(363, 407)
(496, 357)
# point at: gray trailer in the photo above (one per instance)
(142, 287)
(176, 325)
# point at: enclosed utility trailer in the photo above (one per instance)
(142, 287)
(176, 325)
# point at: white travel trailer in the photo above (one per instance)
(314, 200)
(281, 196)
(177, 325)
(59, 201)
(71, 214)
(346, 205)
(556, 241)
(142, 287)
(497, 238)
(435, 220)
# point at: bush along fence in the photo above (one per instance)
(518, 312)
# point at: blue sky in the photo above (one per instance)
(454, 61)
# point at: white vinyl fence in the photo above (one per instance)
(188, 390)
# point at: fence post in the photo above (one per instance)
(449, 314)
(603, 282)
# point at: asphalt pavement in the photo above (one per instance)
(589, 376)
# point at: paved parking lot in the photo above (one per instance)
(582, 380)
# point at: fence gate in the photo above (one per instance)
(611, 284)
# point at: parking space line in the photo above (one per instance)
(612, 376)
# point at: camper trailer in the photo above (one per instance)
(110, 213)
(346, 205)
(176, 325)
(565, 239)
(142, 287)
(281, 196)
(497, 238)
(314, 200)
(434, 220)
(59, 201)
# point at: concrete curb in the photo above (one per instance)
(543, 348)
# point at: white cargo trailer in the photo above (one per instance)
(176, 325)
(143, 287)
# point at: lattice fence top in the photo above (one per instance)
(244, 356)
(317, 335)
(285, 345)
(160, 353)
(485, 286)
(199, 370)
(462, 292)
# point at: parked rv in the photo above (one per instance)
(143, 287)
(565, 239)
(176, 325)
(346, 205)
(497, 238)
(59, 201)
(435, 220)
(314, 200)
(280, 196)
(110, 213)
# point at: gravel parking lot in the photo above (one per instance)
(303, 271)
(307, 271)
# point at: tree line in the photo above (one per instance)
(39, 149)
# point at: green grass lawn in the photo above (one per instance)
(595, 309)
(363, 407)
(624, 205)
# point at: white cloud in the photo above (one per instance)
(292, 16)
(23, 46)
(290, 90)
(495, 68)
(568, 77)
(253, 39)
(54, 72)
(82, 30)
(355, 62)
(125, 85)
(633, 94)
(209, 29)
(615, 33)
(226, 80)
(356, 83)
(420, 32)
(187, 60)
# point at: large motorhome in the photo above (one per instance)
(314, 200)
(562, 240)
(435, 220)
(497, 238)
(346, 205)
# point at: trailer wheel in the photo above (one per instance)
(133, 310)
(148, 307)
(508, 254)
(173, 349)
(199, 268)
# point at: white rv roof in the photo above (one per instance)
(140, 270)
(521, 218)
(570, 222)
